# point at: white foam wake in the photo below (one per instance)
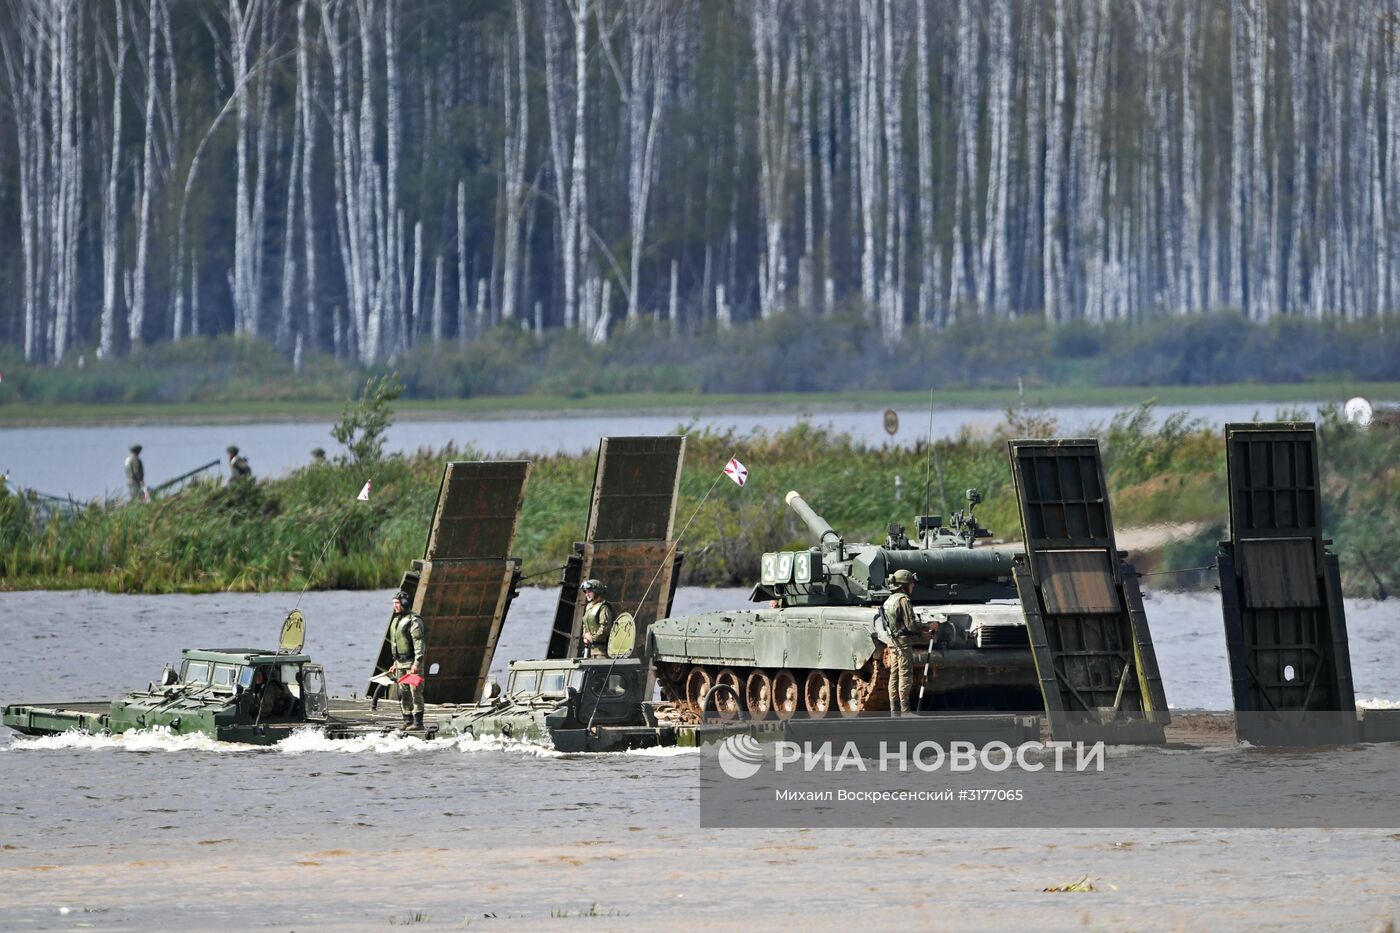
(157, 739)
(662, 751)
(1378, 703)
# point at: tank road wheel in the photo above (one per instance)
(758, 694)
(671, 680)
(787, 697)
(697, 688)
(875, 682)
(850, 693)
(728, 698)
(816, 694)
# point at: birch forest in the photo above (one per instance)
(363, 177)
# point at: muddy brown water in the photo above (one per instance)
(150, 832)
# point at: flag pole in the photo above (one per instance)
(311, 574)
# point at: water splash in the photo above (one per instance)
(1378, 703)
(158, 739)
(673, 751)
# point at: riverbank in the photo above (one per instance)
(685, 404)
(1163, 474)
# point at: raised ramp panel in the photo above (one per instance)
(561, 632)
(628, 536)
(1280, 588)
(467, 576)
(1088, 631)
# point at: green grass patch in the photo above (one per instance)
(271, 535)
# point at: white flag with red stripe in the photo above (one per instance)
(736, 471)
(364, 493)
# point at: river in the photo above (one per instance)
(85, 462)
(149, 832)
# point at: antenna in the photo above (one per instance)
(928, 459)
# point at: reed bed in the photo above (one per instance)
(306, 529)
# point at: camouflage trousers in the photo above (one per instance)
(410, 698)
(901, 677)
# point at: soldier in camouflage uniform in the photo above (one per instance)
(597, 618)
(238, 468)
(409, 643)
(267, 696)
(135, 474)
(899, 614)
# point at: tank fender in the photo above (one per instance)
(792, 641)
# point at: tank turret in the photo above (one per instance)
(949, 565)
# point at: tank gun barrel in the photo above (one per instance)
(952, 565)
(826, 535)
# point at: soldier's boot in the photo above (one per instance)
(418, 720)
(407, 724)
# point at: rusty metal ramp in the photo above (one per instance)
(467, 578)
(1281, 594)
(627, 542)
(1083, 609)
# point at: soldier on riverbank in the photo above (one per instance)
(597, 618)
(238, 468)
(136, 475)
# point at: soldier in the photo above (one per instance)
(238, 468)
(318, 455)
(899, 615)
(136, 475)
(268, 697)
(597, 618)
(408, 642)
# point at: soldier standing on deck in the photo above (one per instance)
(408, 643)
(136, 475)
(899, 614)
(597, 618)
(238, 468)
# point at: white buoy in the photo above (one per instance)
(1358, 411)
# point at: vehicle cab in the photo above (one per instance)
(231, 694)
(542, 699)
(264, 685)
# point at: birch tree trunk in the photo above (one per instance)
(517, 126)
(111, 260)
(136, 318)
(924, 109)
(307, 92)
(650, 76)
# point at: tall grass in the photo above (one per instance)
(272, 534)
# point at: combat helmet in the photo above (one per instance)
(594, 585)
(902, 577)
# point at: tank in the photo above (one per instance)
(816, 643)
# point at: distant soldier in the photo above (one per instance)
(597, 618)
(899, 615)
(318, 456)
(408, 642)
(238, 469)
(136, 475)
